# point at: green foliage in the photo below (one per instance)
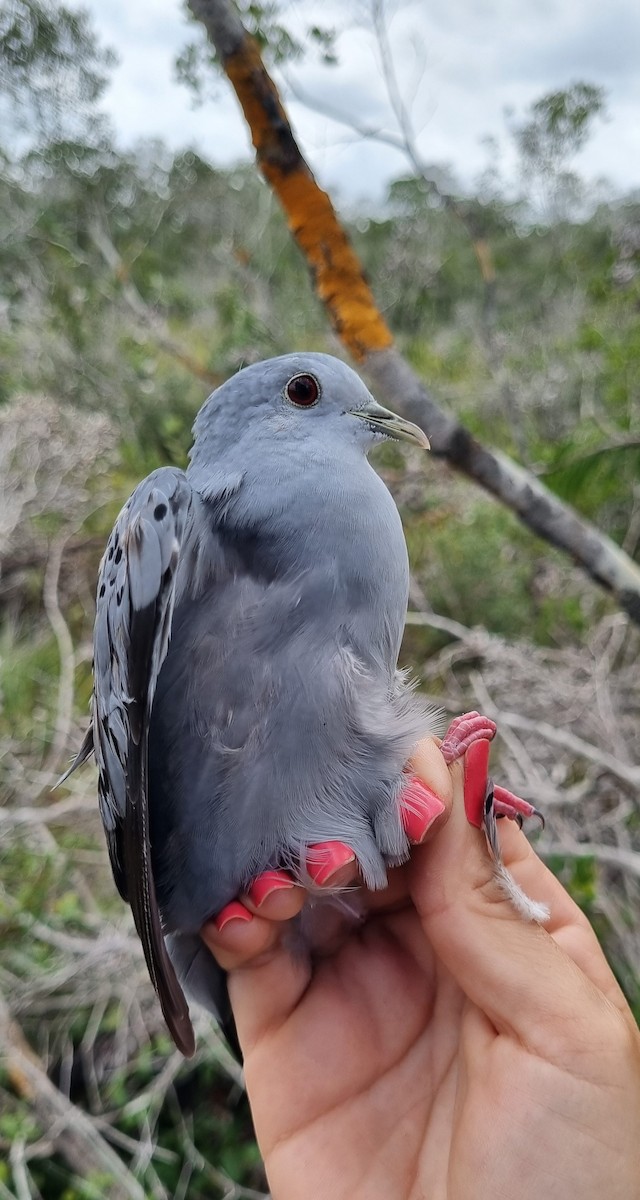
(559, 125)
(480, 567)
(555, 128)
(593, 482)
(52, 70)
(27, 667)
(120, 272)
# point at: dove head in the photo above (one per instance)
(301, 406)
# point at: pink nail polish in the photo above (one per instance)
(268, 883)
(419, 808)
(232, 912)
(325, 859)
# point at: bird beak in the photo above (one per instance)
(382, 420)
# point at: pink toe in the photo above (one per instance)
(506, 804)
(463, 732)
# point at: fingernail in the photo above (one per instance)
(231, 912)
(268, 883)
(476, 766)
(324, 859)
(419, 808)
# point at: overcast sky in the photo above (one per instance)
(460, 64)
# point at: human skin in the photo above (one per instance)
(444, 1049)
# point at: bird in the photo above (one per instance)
(247, 705)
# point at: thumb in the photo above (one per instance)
(513, 970)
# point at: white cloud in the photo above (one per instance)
(461, 63)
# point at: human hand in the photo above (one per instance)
(445, 1049)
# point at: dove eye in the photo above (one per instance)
(303, 391)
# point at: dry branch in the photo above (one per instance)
(340, 283)
(73, 1133)
(66, 652)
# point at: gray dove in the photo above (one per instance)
(247, 708)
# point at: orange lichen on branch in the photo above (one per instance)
(337, 271)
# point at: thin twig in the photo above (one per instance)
(19, 1170)
(47, 814)
(569, 741)
(76, 1135)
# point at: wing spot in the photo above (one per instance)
(103, 588)
(119, 555)
(160, 512)
(119, 595)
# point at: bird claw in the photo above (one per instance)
(505, 804)
(469, 735)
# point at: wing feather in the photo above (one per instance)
(136, 594)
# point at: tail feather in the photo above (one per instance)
(204, 982)
(84, 753)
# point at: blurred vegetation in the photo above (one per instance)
(130, 282)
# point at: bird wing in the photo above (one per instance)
(134, 608)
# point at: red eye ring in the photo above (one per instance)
(303, 390)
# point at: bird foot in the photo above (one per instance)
(470, 736)
(505, 804)
(332, 864)
(464, 732)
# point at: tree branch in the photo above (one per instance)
(71, 1130)
(340, 283)
(64, 713)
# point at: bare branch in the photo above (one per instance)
(46, 814)
(64, 714)
(341, 285)
(516, 487)
(568, 741)
(19, 1170)
(446, 625)
(75, 1135)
